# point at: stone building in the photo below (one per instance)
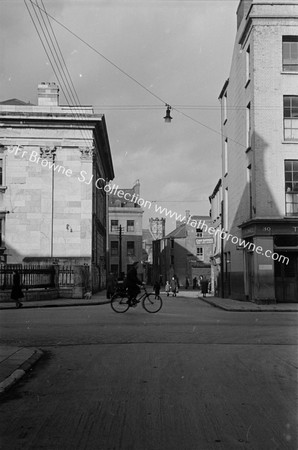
(53, 160)
(259, 105)
(185, 252)
(125, 229)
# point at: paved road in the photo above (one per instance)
(192, 377)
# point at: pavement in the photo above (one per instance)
(15, 362)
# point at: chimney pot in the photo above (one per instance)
(48, 94)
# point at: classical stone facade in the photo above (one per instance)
(259, 153)
(52, 207)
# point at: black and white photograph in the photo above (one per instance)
(149, 224)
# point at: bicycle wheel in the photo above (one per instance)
(152, 304)
(119, 303)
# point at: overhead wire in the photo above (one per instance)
(135, 80)
(67, 78)
(57, 68)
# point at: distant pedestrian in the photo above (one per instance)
(186, 283)
(174, 287)
(194, 283)
(199, 282)
(204, 286)
(156, 288)
(16, 292)
(167, 288)
(177, 283)
(111, 285)
(160, 280)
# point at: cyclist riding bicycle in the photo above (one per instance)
(133, 283)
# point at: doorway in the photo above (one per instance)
(286, 279)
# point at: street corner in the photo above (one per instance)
(15, 363)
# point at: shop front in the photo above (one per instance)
(271, 263)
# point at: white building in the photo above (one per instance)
(51, 207)
(260, 154)
(125, 229)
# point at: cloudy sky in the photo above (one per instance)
(174, 51)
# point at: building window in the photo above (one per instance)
(114, 269)
(130, 225)
(290, 53)
(291, 187)
(172, 243)
(114, 248)
(226, 156)
(1, 232)
(1, 172)
(248, 126)
(130, 248)
(248, 64)
(114, 225)
(199, 232)
(200, 253)
(291, 117)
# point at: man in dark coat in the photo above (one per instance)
(16, 292)
(111, 285)
(133, 283)
(204, 286)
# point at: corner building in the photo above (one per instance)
(51, 207)
(126, 230)
(259, 104)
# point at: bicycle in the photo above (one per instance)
(120, 301)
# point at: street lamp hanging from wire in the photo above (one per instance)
(168, 117)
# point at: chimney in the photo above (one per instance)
(48, 94)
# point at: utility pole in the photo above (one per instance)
(120, 251)
(108, 268)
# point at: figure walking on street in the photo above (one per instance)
(174, 287)
(204, 286)
(111, 285)
(156, 289)
(16, 292)
(186, 283)
(168, 288)
(194, 283)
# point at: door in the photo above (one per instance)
(286, 279)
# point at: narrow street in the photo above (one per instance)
(191, 377)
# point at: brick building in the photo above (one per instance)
(51, 209)
(260, 154)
